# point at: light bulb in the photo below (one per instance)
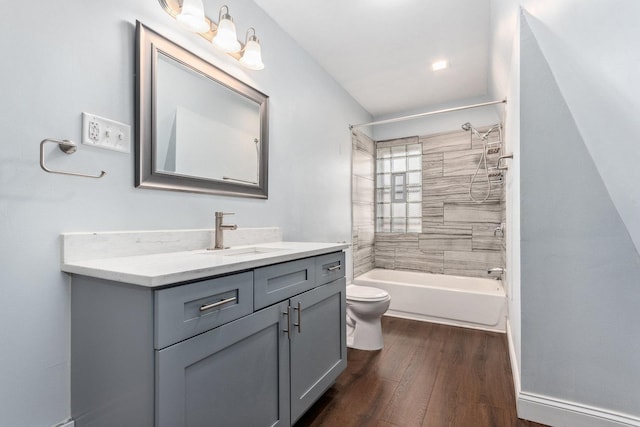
(226, 38)
(252, 56)
(191, 16)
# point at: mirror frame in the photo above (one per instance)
(149, 44)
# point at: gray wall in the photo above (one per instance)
(60, 59)
(505, 82)
(574, 341)
(580, 268)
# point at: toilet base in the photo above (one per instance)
(365, 335)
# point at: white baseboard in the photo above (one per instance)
(515, 369)
(69, 423)
(560, 413)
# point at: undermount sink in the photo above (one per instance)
(253, 250)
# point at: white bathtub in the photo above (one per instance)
(453, 300)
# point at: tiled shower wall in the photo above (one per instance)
(363, 199)
(457, 234)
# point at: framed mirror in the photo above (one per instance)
(198, 128)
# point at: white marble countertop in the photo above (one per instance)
(173, 267)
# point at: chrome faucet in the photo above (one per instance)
(499, 270)
(219, 242)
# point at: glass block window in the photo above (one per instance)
(399, 188)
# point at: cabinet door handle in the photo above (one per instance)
(335, 267)
(288, 315)
(217, 304)
(299, 324)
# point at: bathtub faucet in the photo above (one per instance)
(498, 270)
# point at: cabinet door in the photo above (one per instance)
(318, 343)
(234, 375)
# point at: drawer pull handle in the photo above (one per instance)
(334, 268)
(288, 314)
(217, 304)
(299, 324)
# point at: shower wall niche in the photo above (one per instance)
(456, 235)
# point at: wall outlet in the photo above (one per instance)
(104, 133)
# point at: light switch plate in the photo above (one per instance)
(104, 133)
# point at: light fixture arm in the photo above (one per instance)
(246, 38)
(226, 14)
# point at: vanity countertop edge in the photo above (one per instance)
(161, 269)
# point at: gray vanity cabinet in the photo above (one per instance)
(317, 313)
(247, 372)
(317, 357)
(233, 375)
(253, 348)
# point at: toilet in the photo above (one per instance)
(365, 307)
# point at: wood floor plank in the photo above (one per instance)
(456, 382)
(395, 357)
(427, 375)
(410, 400)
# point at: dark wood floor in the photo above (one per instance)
(427, 375)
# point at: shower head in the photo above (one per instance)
(467, 126)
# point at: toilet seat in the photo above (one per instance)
(366, 293)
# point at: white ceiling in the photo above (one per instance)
(381, 51)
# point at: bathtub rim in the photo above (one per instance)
(499, 293)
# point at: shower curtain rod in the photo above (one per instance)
(414, 116)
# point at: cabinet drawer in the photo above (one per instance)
(278, 282)
(184, 311)
(329, 267)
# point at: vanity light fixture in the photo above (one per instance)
(226, 38)
(190, 13)
(191, 16)
(439, 65)
(252, 53)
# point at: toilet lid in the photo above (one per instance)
(365, 293)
